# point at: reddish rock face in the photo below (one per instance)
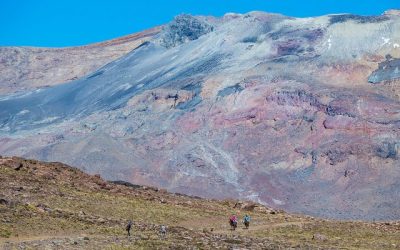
(258, 106)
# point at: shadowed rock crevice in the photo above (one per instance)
(387, 150)
(341, 18)
(387, 70)
(298, 97)
(237, 88)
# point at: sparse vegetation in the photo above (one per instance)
(53, 205)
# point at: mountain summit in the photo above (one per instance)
(301, 114)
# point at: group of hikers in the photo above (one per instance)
(233, 222)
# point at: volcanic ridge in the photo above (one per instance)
(300, 114)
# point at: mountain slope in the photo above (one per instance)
(298, 113)
(51, 205)
(27, 68)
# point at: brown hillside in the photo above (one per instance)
(54, 206)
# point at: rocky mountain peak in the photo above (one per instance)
(184, 28)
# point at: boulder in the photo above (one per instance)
(319, 237)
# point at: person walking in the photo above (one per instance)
(233, 222)
(163, 231)
(129, 227)
(246, 221)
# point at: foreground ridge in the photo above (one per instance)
(52, 205)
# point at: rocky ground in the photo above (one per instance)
(54, 206)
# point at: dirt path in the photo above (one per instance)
(219, 228)
(220, 225)
(265, 226)
(284, 224)
(40, 237)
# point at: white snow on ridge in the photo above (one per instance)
(278, 202)
(25, 111)
(125, 86)
(46, 120)
(385, 40)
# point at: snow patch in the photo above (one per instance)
(396, 45)
(278, 202)
(328, 42)
(25, 111)
(47, 120)
(385, 40)
(227, 171)
(125, 86)
(256, 198)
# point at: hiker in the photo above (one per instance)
(246, 221)
(163, 231)
(233, 221)
(129, 227)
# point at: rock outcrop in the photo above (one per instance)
(184, 28)
(388, 70)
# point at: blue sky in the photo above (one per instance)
(58, 23)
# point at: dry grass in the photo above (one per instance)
(71, 203)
